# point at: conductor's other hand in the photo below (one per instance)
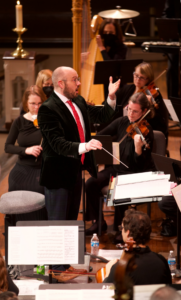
(113, 87)
(93, 145)
(34, 150)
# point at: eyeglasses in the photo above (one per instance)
(133, 111)
(75, 80)
(34, 104)
(139, 77)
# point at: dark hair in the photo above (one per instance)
(142, 100)
(8, 295)
(32, 90)
(3, 275)
(117, 26)
(146, 69)
(139, 225)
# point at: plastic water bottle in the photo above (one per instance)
(172, 262)
(94, 244)
(40, 269)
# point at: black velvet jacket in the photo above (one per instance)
(61, 160)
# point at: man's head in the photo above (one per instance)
(137, 225)
(165, 293)
(8, 296)
(66, 82)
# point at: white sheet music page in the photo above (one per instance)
(171, 110)
(43, 245)
(95, 294)
(177, 195)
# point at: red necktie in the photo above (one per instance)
(79, 126)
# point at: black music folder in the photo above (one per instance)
(118, 69)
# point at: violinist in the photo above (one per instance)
(152, 268)
(133, 153)
(142, 77)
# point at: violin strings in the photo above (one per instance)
(115, 157)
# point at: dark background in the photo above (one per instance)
(53, 18)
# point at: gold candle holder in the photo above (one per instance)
(19, 52)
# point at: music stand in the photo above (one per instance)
(176, 102)
(118, 69)
(81, 230)
(172, 167)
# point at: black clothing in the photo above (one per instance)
(117, 52)
(27, 135)
(136, 163)
(160, 120)
(61, 160)
(152, 268)
(25, 174)
(11, 286)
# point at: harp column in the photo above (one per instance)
(77, 30)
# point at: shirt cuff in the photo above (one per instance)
(112, 103)
(82, 148)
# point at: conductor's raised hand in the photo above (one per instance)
(113, 87)
(93, 145)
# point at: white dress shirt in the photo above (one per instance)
(82, 148)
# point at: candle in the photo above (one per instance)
(19, 16)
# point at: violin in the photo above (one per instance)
(141, 129)
(128, 248)
(152, 90)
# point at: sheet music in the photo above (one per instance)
(43, 245)
(177, 195)
(28, 287)
(87, 294)
(110, 254)
(171, 110)
(141, 177)
(143, 189)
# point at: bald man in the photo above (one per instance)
(64, 120)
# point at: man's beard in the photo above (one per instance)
(67, 93)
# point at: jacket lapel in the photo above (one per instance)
(64, 113)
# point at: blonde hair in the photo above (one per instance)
(43, 76)
(146, 69)
(32, 90)
(3, 275)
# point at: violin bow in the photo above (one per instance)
(148, 111)
(163, 72)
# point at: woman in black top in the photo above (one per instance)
(110, 43)
(110, 40)
(132, 153)
(151, 267)
(26, 172)
(142, 76)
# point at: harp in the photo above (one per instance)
(84, 40)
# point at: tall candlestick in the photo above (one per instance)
(19, 16)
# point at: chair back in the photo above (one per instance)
(159, 143)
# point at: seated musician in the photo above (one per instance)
(133, 153)
(143, 76)
(152, 268)
(110, 40)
